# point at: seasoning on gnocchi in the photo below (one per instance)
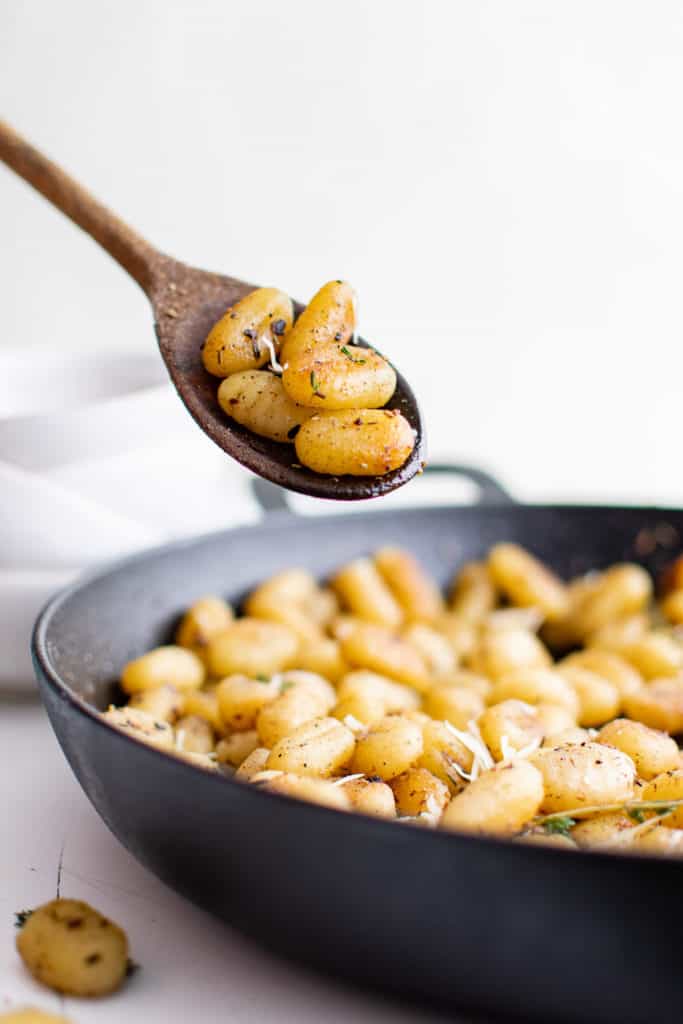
(306, 381)
(70, 947)
(522, 705)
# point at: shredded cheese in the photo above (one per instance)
(274, 365)
(453, 766)
(266, 776)
(417, 819)
(472, 739)
(510, 753)
(348, 778)
(432, 808)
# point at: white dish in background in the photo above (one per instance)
(98, 459)
(61, 407)
(180, 489)
(22, 595)
(43, 525)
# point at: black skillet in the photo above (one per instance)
(488, 925)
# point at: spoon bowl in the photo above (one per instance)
(186, 302)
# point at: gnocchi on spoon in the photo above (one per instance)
(209, 324)
(329, 394)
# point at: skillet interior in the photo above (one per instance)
(499, 927)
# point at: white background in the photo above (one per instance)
(502, 182)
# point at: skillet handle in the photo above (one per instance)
(272, 498)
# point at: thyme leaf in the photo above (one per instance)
(559, 826)
(21, 917)
(349, 355)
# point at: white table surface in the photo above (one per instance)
(191, 965)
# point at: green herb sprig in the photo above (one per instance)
(559, 826)
(349, 355)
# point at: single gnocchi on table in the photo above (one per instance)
(305, 381)
(509, 703)
(70, 947)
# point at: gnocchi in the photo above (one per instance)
(374, 694)
(320, 390)
(245, 336)
(73, 949)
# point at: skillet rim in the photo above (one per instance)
(47, 674)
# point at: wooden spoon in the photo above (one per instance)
(186, 302)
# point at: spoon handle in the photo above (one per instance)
(128, 248)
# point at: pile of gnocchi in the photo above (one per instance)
(519, 705)
(306, 382)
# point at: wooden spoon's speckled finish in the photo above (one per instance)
(186, 302)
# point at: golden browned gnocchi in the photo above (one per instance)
(455, 704)
(619, 592)
(510, 726)
(240, 699)
(254, 647)
(257, 400)
(598, 698)
(303, 787)
(584, 773)
(335, 376)
(366, 693)
(320, 390)
(164, 666)
(417, 791)
(380, 650)
(369, 796)
(389, 748)
(236, 748)
(501, 651)
(473, 594)
(320, 748)
(294, 707)
(355, 442)
(526, 581)
(285, 598)
(71, 948)
(667, 787)
(246, 336)
(164, 703)
(142, 726)
(499, 802)
(651, 751)
(603, 830)
(366, 594)
(207, 617)
(417, 594)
